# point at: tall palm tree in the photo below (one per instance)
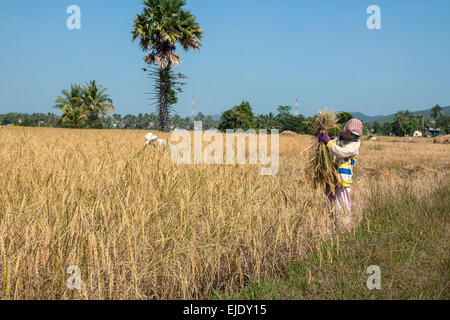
(436, 112)
(160, 27)
(71, 106)
(97, 103)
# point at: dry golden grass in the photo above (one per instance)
(161, 231)
(442, 139)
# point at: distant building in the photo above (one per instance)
(433, 132)
(418, 134)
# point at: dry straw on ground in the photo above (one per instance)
(442, 139)
(160, 231)
(288, 133)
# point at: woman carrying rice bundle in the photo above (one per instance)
(344, 149)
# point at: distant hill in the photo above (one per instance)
(381, 119)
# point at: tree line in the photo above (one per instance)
(242, 117)
(117, 121)
(405, 123)
(92, 111)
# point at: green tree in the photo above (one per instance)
(96, 103)
(365, 131)
(404, 123)
(436, 112)
(9, 118)
(28, 122)
(293, 123)
(387, 128)
(444, 124)
(83, 106)
(286, 121)
(284, 117)
(284, 110)
(422, 121)
(343, 118)
(160, 27)
(267, 121)
(71, 105)
(207, 121)
(377, 128)
(239, 117)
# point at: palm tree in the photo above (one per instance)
(272, 121)
(436, 112)
(162, 25)
(71, 106)
(96, 103)
(422, 120)
(269, 121)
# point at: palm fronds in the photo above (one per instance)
(84, 105)
(161, 26)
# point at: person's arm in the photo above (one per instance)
(349, 150)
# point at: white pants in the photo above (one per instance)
(341, 206)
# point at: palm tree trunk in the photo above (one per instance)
(163, 99)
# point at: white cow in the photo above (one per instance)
(373, 139)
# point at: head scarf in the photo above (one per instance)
(353, 127)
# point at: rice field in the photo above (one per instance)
(145, 228)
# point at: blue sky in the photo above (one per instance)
(266, 52)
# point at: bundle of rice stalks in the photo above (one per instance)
(321, 169)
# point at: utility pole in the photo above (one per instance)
(296, 107)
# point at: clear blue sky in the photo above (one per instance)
(267, 52)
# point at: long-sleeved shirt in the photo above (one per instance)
(345, 154)
(341, 149)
